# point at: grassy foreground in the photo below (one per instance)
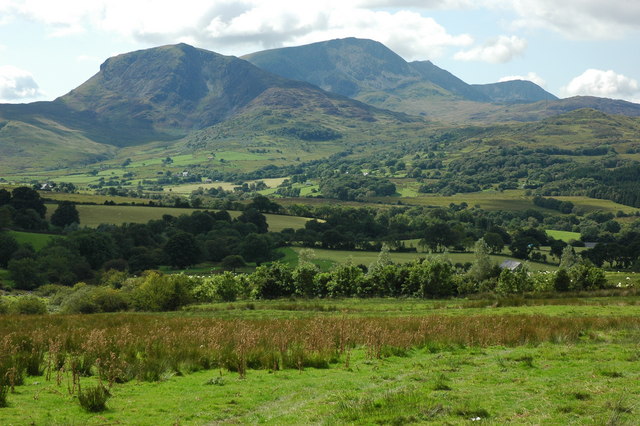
(335, 362)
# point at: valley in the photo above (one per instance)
(321, 234)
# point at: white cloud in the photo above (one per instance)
(418, 4)
(608, 84)
(236, 27)
(531, 76)
(579, 19)
(498, 50)
(17, 85)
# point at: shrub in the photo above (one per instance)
(4, 307)
(586, 276)
(110, 300)
(80, 301)
(273, 281)
(562, 280)
(225, 288)
(25, 274)
(512, 282)
(431, 278)
(158, 292)
(29, 305)
(94, 399)
(346, 279)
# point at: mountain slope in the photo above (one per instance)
(368, 71)
(448, 81)
(171, 89)
(515, 91)
(347, 66)
(161, 94)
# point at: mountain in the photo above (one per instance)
(369, 71)
(347, 66)
(448, 81)
(160, 94)
(514, 92)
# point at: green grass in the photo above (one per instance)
(36, 240)
(327, 258)
(565, 236)
(593, 380)
(569, 306)
(94, 215)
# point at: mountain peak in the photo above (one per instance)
(345, 66)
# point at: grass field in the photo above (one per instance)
(227, 186)
(94, 215)
(36, 240)
(565, 236)
(326, 258)
(394, 362)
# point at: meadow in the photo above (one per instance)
(378, 361)
(327, 258)
(94, 215)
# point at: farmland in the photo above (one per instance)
(94, 215)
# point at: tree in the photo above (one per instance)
(273, 281)
(494, 241)
(182, 250)
(522, 246)
(5, 197)
(569, 258)
(256, 248)
(439, 235)
(8, 246)
(303, 279)
(514, 282)
(252, 215)
(25, 274)
(556, 248)
(561, 280)
(65, 214)
(482, 266)
(23, 198)
(431, 278)
(233, 262)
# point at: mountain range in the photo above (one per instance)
(334, 87)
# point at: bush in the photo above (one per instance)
(586, 276)
(80, 301)
(110, 300)
(29, 305)
(513, 282)
(4, 307)
(158, 292)
(225, 288)
(25, 274)
(431, 278)
(562, 280)
(94, 399)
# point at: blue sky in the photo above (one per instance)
(569, 47)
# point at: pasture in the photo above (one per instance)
(326, 258)
(37, 240)
(94, 215)
(565, 236)
(378, 361)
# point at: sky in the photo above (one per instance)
(568, 47)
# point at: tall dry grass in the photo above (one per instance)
(119, 348)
